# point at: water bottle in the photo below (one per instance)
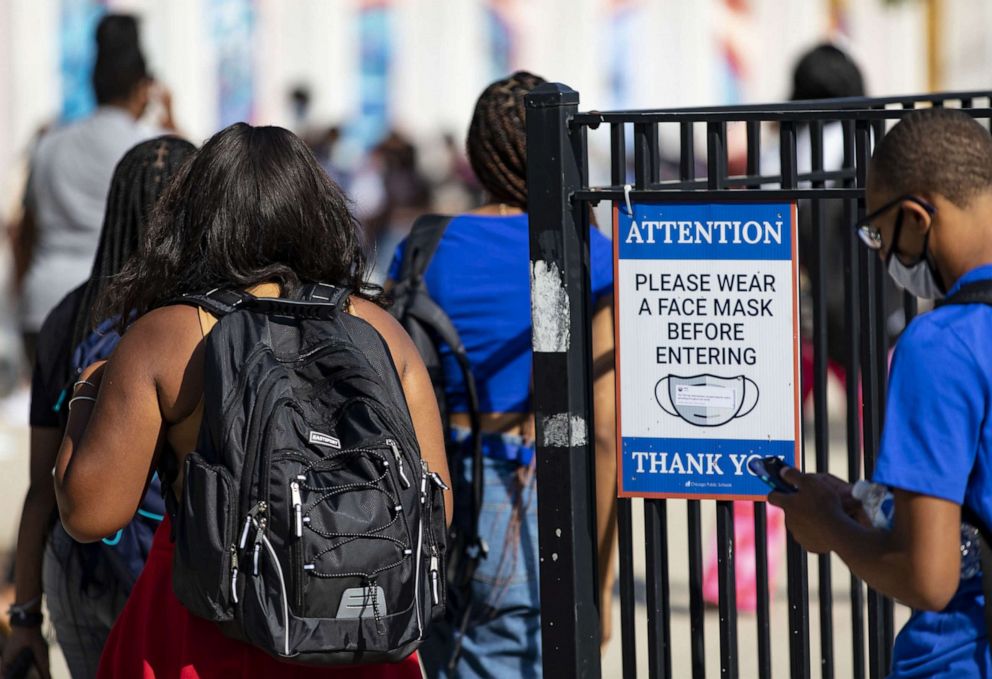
(877, 501)
(971, 559)
(879, 505)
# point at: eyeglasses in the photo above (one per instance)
(870, 235)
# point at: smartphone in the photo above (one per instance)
(769, 470)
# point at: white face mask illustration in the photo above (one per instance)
(706, 400)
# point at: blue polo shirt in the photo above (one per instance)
(937, 441)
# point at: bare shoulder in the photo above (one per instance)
(166, 346)
(167, 330)
(400, 345)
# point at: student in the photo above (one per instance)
(929, 199)
(84, 594)
(252, 211)
(479, 276)
(70, 171)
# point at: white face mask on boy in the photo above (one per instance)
(920, 279)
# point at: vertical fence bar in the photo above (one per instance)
(716, 174)
(646, 168)
(628, 647)
(820, 423)
(760, 509)
(697, 631)
(909, 302)
(799, 652)
(559, 244)
(625, 528)
(659, 601)
(869, 266)
(852, 300)
(881, 351)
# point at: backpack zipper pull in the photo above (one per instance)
(294, 491)
(234, 574)
(252, 513)
(436, 478)
(258, 545)
(399, 461)
(435, 581)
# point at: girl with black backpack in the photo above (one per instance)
(255, 217)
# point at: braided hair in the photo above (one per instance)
(497, 138)
(139, 179)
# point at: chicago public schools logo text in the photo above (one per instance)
(706, 400)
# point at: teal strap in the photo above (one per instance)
(112, 542)
(58, 404)
(151, 515)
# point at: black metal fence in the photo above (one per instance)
(558, 138)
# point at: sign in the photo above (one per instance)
(707, 342)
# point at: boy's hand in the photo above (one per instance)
(820, 502)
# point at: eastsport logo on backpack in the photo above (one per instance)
(319, 439)
(309, 524)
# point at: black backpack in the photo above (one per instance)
(309, 525)
(429, 326)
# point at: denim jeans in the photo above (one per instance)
(503, 634)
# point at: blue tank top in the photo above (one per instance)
(480, 276)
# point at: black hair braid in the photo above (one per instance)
(138, 180)
(497, 138)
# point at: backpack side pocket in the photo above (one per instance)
(205, 569)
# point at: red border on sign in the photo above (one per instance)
(797, 348)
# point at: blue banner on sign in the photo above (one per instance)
(697, 466)
(713, 232)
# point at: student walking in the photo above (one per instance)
(84, 592)
(70, 172)
(251, 213)
(479, 277)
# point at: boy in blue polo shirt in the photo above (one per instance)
(930, 220)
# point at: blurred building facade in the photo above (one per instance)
(417, 65)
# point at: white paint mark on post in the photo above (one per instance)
(549, 308)
(564, 431)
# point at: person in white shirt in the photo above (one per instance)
(70, 173)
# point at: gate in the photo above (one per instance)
(558, 141)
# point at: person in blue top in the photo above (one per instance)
(930, 201)
(480, 277)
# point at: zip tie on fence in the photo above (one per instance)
(626, 197)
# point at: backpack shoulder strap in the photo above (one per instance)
(324, 293)
(217, 302)
(979, 292)
(421, 244)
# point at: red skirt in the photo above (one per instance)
(155, 637)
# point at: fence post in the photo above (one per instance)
(562, 396)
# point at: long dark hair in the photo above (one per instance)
(138, 181)
(251, 206)
(120, 65)
(497, 138)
